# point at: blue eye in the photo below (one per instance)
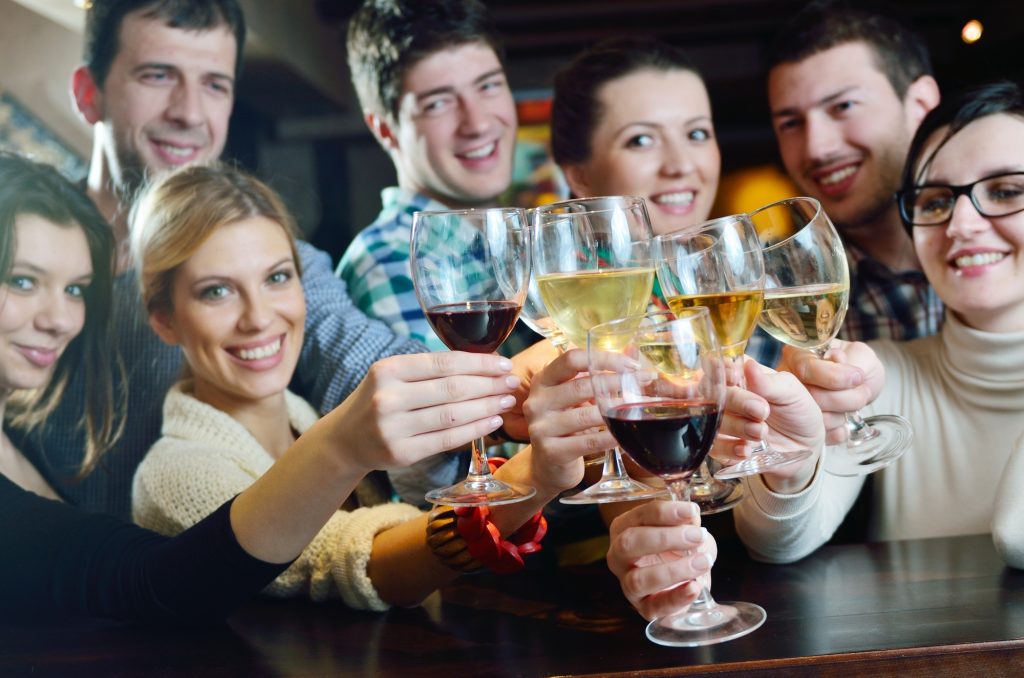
(214, 292)
(22, 283)
(279, 277)
(640, 141)
(699, 134)
(76, 291)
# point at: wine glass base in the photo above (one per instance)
(720, 496)
(484, 491)
(613, 490)
(894, 435)
(724, 622)
(760, 462)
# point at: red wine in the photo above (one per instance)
(668, 438)
(474, 326)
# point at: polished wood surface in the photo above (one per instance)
(919, 608)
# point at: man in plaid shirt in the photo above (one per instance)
(430, 80)
(432, 86)
(847, 90)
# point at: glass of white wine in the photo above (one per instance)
(807, 289)
(718, 265)
(592, 264)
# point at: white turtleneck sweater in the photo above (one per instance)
(963, 392)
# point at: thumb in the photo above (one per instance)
(778, 388)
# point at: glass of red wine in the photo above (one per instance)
(470, 269)
(660, 386)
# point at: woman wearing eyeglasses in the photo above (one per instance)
(963, 389)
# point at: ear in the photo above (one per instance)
(87, 95)
(381, 130)
(161, 324)
(921, 97)
(577, 178)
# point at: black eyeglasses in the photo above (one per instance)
(932, 204)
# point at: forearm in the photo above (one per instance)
(1007, 526)
(782, 528)
(284, 509)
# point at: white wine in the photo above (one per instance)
(579, 300)
(733, 315)
(807, 316)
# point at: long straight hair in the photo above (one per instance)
(28, 187)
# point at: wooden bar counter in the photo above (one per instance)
(917, 608)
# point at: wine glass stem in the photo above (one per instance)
(704, 605)
(859, 430)
(735, 377)
(478, 466)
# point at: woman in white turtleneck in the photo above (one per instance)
(963, 389)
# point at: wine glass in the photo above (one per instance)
(661, 389)
(807, 289)
(592, 264)
(470, 270)
(718, 265)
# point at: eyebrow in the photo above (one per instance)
(645, 123)
(448, 89)
(29, 267)
(157, 65)
(793, 110)
(994, 172)
(206, 280)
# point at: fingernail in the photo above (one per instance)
(505, 364)
(507, 402)
(700, 562)
(512, 381)
(693, 534)
(856, 379)
(495, 422)
(693, 510)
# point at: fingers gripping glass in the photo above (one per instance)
(998, 195)
(470, 270)
(719, 265)
(660, 387)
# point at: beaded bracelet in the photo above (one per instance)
(465, 539)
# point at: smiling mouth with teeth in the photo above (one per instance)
(482, 152)
(261, 352)
(837, 176)
(684, 198)
(982, 259)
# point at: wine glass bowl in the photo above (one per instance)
(718, 265)
(660, 387)
(807, 286)
(592, 264)
(470, 271)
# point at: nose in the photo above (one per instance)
(965, 221)
(186, 104)
(256, 313)
(58, 315)
(676, 160)
(821, 138)
(474, 119)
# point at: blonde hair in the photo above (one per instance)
(179, 211)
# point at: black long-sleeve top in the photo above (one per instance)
(59, 562)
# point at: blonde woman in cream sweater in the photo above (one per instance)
(216, 257)
(963, 389)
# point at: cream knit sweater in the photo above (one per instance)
(963, 392)
(205, 457)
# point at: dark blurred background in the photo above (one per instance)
(297, 123)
